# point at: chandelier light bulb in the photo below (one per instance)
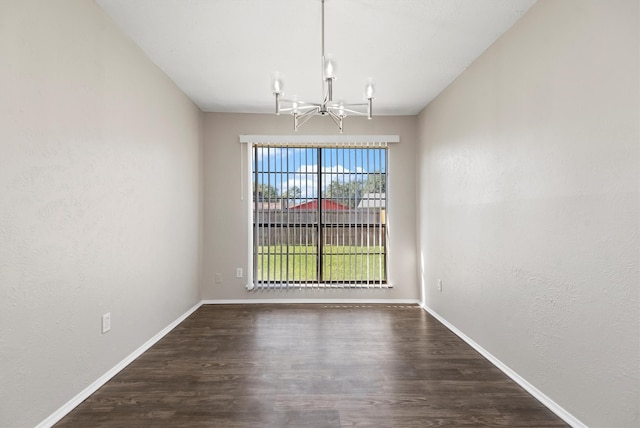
(329, 67)
(369, 89)
(277, 83)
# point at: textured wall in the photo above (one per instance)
(226, 215)
(529, 204)
(99, 202)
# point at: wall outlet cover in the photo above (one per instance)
(106, 322)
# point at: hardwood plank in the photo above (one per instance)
(310, 366)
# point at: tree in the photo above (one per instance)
(266, 192)
(292, 193)
(350, 192)
(376, 183)
(347, 193)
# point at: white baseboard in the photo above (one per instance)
(320, 301)
(75, 401)
(535, 392)
(83, 395)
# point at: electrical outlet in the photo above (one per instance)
(239, 273)
(106, 322)
(440, 285)
(218, 278)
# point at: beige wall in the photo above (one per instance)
(226, 215)
(529, 205)
(99, 202)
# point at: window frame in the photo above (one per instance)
(319, 141)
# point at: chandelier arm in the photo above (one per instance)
(301, 119)
(299, 107)
(294, 110)
(304, 104)
(300, 103)
(307, 114)
(336, 119)
(348, 110)
(336, 104)
(368, 104)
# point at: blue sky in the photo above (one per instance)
(299, 166)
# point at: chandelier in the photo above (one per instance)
(302, 111)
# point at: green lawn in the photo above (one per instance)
(340, 263)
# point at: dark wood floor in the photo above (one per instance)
(310, 366)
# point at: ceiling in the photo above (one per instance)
(222, 53)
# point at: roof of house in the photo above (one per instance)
(327, 204)
(373, 200)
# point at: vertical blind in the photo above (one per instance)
(319, 215)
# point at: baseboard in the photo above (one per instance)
(75, 401)
(546, 401)
(535, 392)
(320, 301)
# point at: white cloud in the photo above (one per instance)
(306, 178)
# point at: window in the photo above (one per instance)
(319, 215)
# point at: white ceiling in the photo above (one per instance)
(222, 53)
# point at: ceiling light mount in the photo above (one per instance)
(302, 111)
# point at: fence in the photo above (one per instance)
(352, 227)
